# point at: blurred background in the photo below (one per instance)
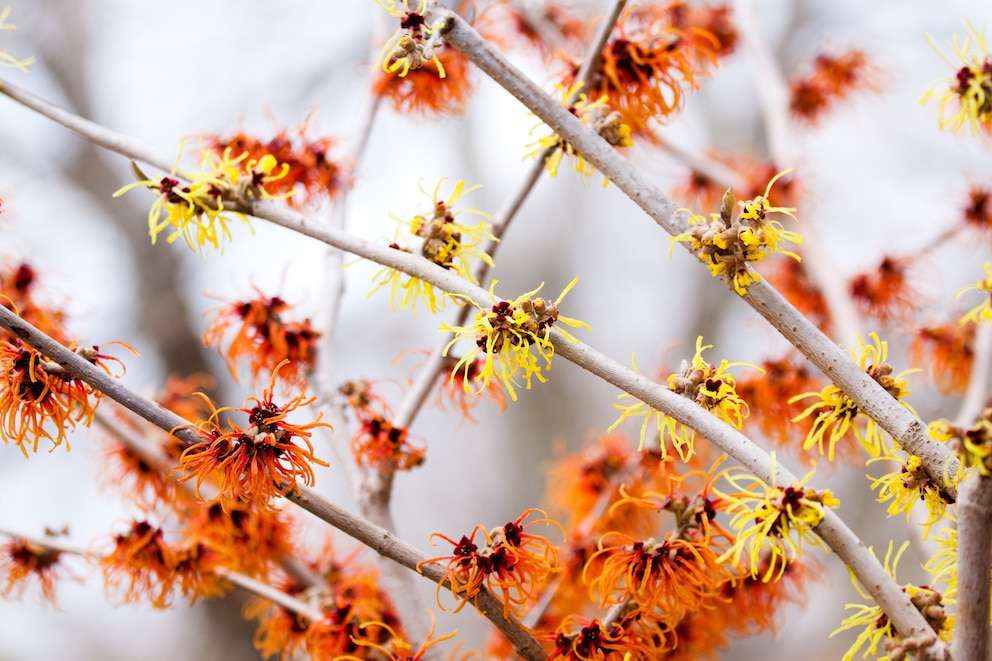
(877, 175)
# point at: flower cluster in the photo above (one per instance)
(767, 516)
(835, 412)
(264, 336)
(19, 293)
(413, 45)
(607, 123)
(511, 563)
(909, 485)
(22, 560)
(505, 334)
(967, 97)
(195, 211)
(259, 462)
(450, 244)
(833, 77)
(948, 351)
(38, 398)
(709, 386)
(878, 628)
(884, 292)
(310, 173)
(644, 68)
(726, 244)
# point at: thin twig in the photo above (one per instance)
(421, 388)
(243, 581)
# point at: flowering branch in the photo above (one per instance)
(870, 397)
(832, 530)
(377, 538)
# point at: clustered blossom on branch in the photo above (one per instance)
(683, 558)
(727, 243)
(709, 386)
(452, 245)
(311, 174)
(607, 123)
(268, 458)
(195, 211)
(504, 336)
(266, 337)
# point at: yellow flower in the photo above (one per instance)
(707, 385)
(195, 211)
(878, 629)
(967, 97)
(409, 46)
(836, 412)
(505, 333)
(767, 516)
(943, 566)
(905, 487)
(597, 115)
(727, 244)
(6, 57)
(982, 311)
(449, 244)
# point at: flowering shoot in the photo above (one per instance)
(765, 518)
(505, 334)
(983, 311)
(195, 211)
(259, 462)
(451, 245)
(726, 244)
(709, 386)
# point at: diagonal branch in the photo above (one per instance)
(870, 397)
(377, 538)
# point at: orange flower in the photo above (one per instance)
(141, 566)
(645, 67)
(425, 91)
(311, 174)
(265, 337)
(513, 562)
(259, 462)
(455, 387)
(244, 537)
(399, 649)
(592, 642)
(22, 560)
(760, 600)
(37, 394)
(549, 27)
(946, 352)
(833, 78)
(716, 20)
(131, 474)
(678, 574)
(381, 445)
(884, 292)
(19, 293)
